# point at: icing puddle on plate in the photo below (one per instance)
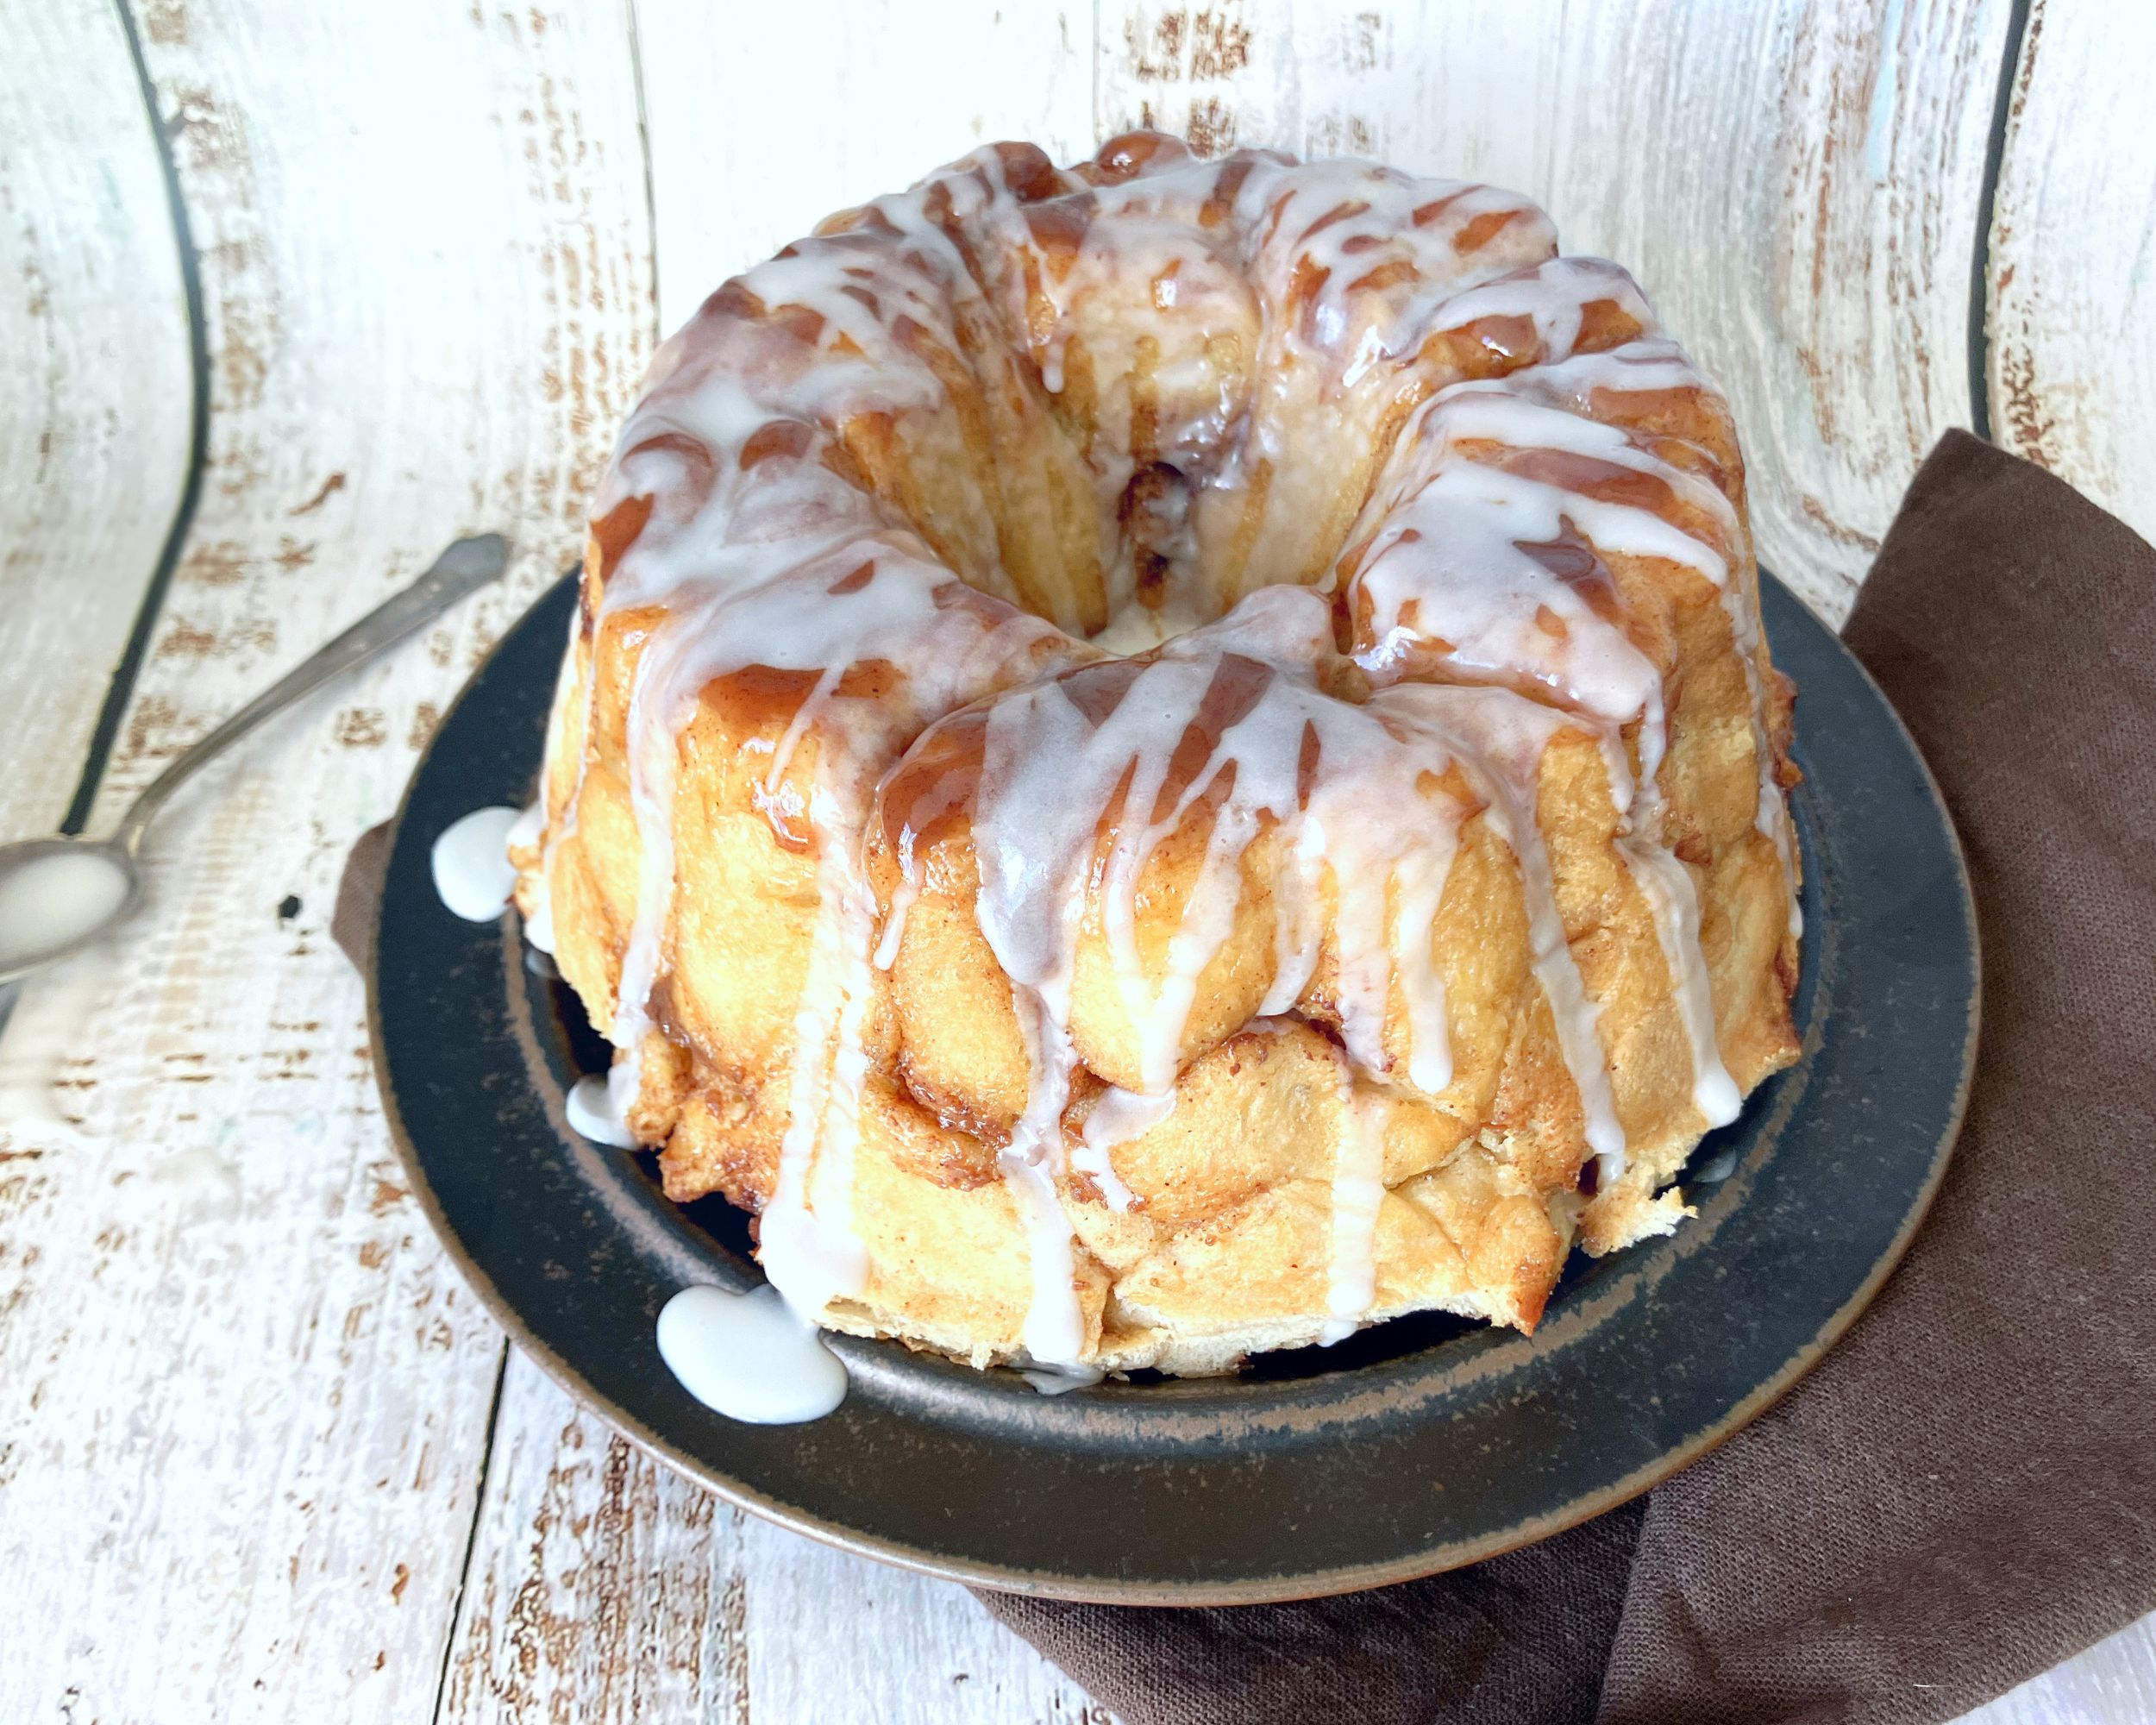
(471, 869)
(749, 1357)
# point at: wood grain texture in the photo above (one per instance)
(605, 1587)
(729, 97)
(94, 416)
(245, 1395)
(1804, 220)
(2072, 266)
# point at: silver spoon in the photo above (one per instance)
(58, 894)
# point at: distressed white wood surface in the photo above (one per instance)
(245, 1397)
(2073, 257)
(248, 1426)
(94, 409)
(746, 157)
(606, 1589)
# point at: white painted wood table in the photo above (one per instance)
(291, 295)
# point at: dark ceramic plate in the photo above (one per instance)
(1417, 1446)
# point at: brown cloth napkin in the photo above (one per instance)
(1964, 1493)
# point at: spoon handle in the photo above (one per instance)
(466, 566)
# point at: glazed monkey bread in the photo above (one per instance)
(1173, 757)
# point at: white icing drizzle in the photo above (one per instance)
(530, 832)
(1656, 364)
(1774, 821)
(810, 619)
(1055, 1330)
(1674, 905)
(595, 1113)
(528, 828)
(1139, 627)
(749, 1356)
(1504, 734)
(470, 865)
(1324, 276)
(886, 953)
(1498, 567)
(810, 1251)
(1051, 773)
(1553, 295)
(1061, 1380)
(762, 556)
(1118, 1117)
(539, 925)
(1298, 927)
(756, 549)
(1358, 1193)
(562, 825)
(1648, 364)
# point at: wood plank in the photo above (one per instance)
(1795, 185)
(604, 1587)
(2071, 358)
(743, 160)
(94, 432)
(246, 1395)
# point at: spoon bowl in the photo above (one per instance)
(57, 895)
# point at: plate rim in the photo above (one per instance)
(1327, 1582)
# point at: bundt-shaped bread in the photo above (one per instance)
(1173, 757)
